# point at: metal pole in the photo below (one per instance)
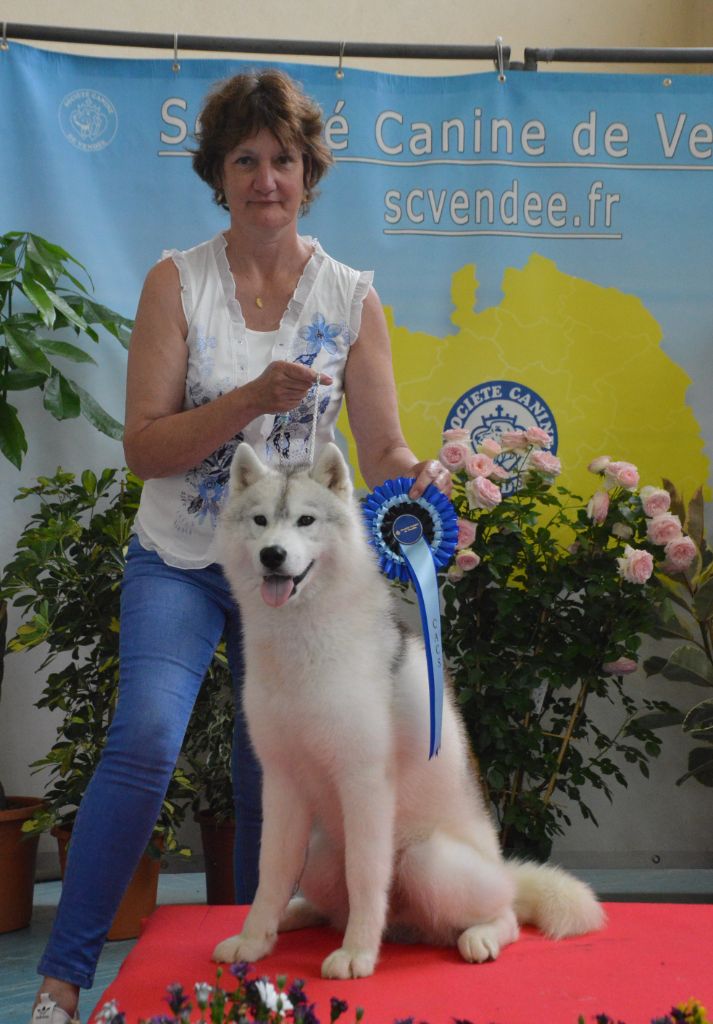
(218, 44)
(618, 55)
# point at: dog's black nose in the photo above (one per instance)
(273, 557)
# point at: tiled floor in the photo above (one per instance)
(20, 951)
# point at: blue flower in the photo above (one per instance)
(307, 358)
(240, 970)
(319, 334)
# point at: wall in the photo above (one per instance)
(651, 822)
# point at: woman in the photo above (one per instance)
(236, 339)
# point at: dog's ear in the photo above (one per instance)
(332, 472)
(246, 468)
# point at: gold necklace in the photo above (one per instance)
(258, 302)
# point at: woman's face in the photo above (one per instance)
(263, 182)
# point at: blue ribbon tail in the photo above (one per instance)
(422, 570)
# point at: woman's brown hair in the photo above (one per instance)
(240, 107)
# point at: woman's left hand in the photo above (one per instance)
(430, 472)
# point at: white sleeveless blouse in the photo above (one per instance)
(177, 515)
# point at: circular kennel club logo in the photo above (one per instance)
(491, 408)
(88, 119)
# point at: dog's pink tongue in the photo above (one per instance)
(276, 590)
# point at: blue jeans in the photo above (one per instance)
(171, 622)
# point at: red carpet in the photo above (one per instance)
(650, 957)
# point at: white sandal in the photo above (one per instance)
(48, 1012)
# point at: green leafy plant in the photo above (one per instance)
(3, 640)
(65, 577)
(690, 619)
(207, 747)
(42, 302)
(544, 611)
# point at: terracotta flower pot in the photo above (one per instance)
(138, 901)
(218, 839)
(18, 856)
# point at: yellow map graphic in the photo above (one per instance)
(593, 354)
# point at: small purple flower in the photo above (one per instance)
(176, 998)
(240, 970)
(296, 993)
(305, 1014)
(337, 1008)
(319, 334)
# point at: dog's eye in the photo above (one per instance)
(305, 520)
(260, 520)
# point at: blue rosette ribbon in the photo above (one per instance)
(413, 538)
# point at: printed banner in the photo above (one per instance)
(539, 243)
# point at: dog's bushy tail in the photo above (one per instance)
(554, 901)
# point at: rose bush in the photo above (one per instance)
(687, 574)
(544, 609)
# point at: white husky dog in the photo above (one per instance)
(379, 838)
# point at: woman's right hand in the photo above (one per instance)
(282, 386)
(161, 438)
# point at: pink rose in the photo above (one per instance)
(664, 528)
(539, 437)
(625, 474)
(620, 667)
(467, 559)
(544, 462)
(479, 465)
(466, 533)
(453, 455)
(457, 434)
(482, 493)
(599, 464)
(514, 440)
(622, 531)
(598, 507)
(636, 566)
(654, 500)
(489, 446)
(680, 552)
(499, 473)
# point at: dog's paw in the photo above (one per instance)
(242, 947)
(349, 963)
(483, 942)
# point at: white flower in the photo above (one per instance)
(622, 531)
(271, 998)
(599, 464)
(107, 1012)
(203, 993)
